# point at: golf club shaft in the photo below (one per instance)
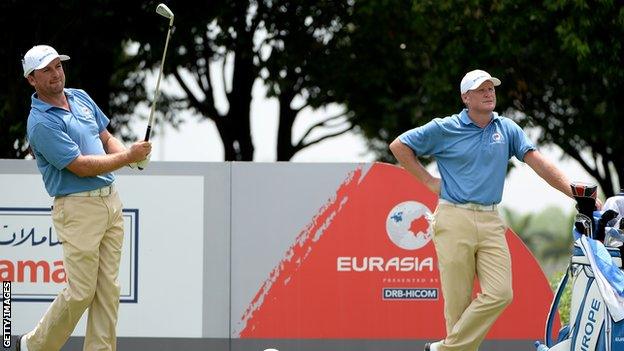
(148, 132)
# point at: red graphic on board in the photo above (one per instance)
(419, 225)
(330, 283)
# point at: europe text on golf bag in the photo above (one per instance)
(596, 320)
(591, 327)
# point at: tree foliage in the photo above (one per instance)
(89, 32)
(223, 48)
(560, 62)
(218, 49)
(547, 234)
(394, 65)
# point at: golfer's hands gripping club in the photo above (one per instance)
(143, 164)
(138, 154)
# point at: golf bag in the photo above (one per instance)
(591, 326)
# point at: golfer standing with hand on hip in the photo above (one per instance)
(472, 150)
(76, 155)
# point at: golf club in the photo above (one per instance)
(164, 11)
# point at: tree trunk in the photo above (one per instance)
(240, 102)
(285, 148)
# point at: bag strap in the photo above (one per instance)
(554, 306)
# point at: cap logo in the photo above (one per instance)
(44, 56)
(479, 77)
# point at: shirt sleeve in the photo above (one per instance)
(520, 143)
(54, 144)
(423, 140)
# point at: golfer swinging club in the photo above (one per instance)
(76, 155)
(472, 150)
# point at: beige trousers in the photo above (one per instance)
(91, 231)
(471, 243)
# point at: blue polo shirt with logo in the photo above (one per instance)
(472, 161)
(57, 137)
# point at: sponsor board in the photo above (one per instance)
(365, 267)
(32, 255)
(265, 251)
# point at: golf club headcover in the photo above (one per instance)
(585, 196)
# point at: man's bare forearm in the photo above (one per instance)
(410, 162)
(548, 171)
(93, 165)
(111, 144)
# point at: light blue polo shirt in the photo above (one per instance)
(57, 137)
(472, 161)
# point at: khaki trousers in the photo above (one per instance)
(91, 231)
(471, 243)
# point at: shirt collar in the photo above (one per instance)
(44, 106)
(463, 116)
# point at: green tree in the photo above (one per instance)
(519, 223)
(574, 99)
(560, 63)
(394, 65)
(281, 44)
(547, 234)
(86, 31)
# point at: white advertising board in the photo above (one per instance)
(162, 255)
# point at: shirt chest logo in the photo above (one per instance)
(87, 112)
(497, 138)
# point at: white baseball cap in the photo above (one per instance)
(38, 57)
(473, 79)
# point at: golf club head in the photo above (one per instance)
(583, 224)
(164, 11)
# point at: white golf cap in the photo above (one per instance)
(473, 79)
(38, 57)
